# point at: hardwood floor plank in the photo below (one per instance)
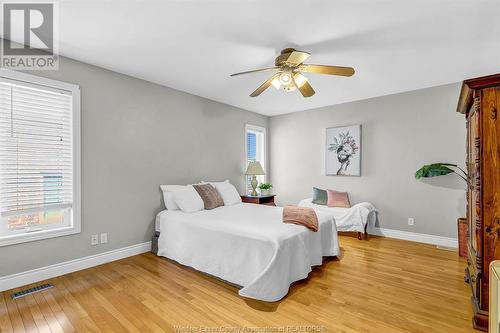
(77, 315)
(36, 314)
(26, 316)
(128, 306)
(59, 314)
(47, 313)
(13, 313)
(83, 294)
(378, 285)
(5, 323)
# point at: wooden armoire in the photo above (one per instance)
(479, 102)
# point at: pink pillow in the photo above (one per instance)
(338, 199)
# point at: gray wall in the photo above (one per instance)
(399, 134)
(135, 136)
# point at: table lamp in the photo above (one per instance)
(254, 169)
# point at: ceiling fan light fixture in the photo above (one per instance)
(276, 83)
(285, 78)
(299, 79)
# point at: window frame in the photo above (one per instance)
(75, 228)
(263, 130)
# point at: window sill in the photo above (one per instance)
(38, 235)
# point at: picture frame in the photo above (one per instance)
(343, 151)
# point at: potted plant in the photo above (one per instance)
(265, 188)
(441, 169)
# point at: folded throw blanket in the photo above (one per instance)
(302, 216)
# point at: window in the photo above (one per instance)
(255, 146)
(39, 158)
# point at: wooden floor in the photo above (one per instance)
(379, 285)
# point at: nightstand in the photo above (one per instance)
(259, 200)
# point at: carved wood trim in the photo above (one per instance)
(483, 82)
(465, 99)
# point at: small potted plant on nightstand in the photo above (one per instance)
(265, 188)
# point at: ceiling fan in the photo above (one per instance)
(289, 66)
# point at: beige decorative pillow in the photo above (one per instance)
(338, 199)
(211, 198)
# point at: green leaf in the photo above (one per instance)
(446, 164)
(265, 186)
(434, 170)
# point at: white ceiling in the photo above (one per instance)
(193, 46)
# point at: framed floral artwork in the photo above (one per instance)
(343, 151)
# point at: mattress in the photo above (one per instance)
(247, 245)
(356, 218)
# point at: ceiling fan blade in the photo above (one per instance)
(304, 87)
(298, 57)
(331, 70)
(263, 86)
(256, 70)
(291, 57)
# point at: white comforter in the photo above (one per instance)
(347, 219)
(248, 245)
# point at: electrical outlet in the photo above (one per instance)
(94, 240)
(104, 237)
(411, 221)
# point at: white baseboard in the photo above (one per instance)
(415, 237)
(20, 279)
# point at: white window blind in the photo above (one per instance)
(36, 158)
(255, 150)
(251, 153)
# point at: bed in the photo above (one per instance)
(247, 245)
(354, 219)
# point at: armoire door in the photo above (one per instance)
(490, 172)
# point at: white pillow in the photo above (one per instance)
(168, 195)
(188, 200)
(213, 183)
(228, 192)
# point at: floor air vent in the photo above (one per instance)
(30, 291)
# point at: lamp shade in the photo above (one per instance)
(254, 168)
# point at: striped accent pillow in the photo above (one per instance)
(211, 198)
